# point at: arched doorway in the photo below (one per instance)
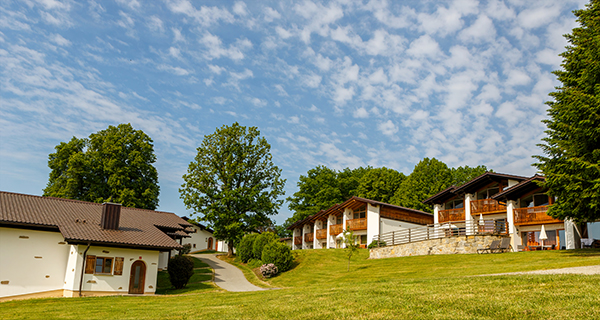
(137, 277)
(210, 243)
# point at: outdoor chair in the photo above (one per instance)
(493, 246)
(520, 247)
(504, 246)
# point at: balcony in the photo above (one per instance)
(451, 215)
(298, 240)
(335, 229)
(484, 206)
(322, 234)
(357, 224)
(309, 237)
(533, 215)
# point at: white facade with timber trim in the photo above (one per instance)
(364, 217)
(53, 247)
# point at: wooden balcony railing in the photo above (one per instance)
(451, 215)
(357, 224)
(298, 240)
(335, 229)
(533, 215)
(486, 205)
(322, 234)
(309, 237)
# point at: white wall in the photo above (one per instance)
(389, 225)
(373, 222)
(594, 230)
(32, 265)
(200, 239)
(110, 283)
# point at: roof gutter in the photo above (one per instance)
(83, 267)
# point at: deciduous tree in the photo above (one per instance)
(379, 184)
(232, 182)
(429, 177)
(571, 162)
(115, 164)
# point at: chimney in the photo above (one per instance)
(111, 214)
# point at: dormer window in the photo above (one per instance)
(487, 193)
(455, 204)
(535, 200)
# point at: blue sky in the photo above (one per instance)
(341, 83)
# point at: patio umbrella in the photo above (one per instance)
(543, 236)
(481, 223)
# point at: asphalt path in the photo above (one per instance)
(227, 276)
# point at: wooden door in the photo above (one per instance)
(137, 277)
(210, 243)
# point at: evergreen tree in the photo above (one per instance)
(571, 162)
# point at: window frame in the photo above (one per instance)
(112, 264)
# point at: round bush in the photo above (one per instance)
(245, 249)
(261, 241)
(373, 244)
(278, 254)
(181, 269)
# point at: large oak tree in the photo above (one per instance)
(115, 165)
(572, 147)
(232, 183)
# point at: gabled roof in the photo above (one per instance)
(79, 222)
(352, 203)
(471, 186)
(518, 190)
(198, 224)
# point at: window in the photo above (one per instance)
(455, 204)
(488, 193)
(338, 220)
(103, 265)
(535, 200)
(363, 239)
(194, 245)
(360, 212)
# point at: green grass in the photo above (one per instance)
(196, 284)
(425, 287)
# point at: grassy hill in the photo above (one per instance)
(319, 287)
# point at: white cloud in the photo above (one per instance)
(424, 46)
(258, 102)
(319, 18)
(215, 49)
(215, 69)
(174, 70)
(361, 113)
(178, 37)
(388, 128)
(481, 30)
(155, 24)
(240, 8)
(206, 16)
(59, 40)
(271, 14)
(132, 4)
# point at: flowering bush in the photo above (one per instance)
(268, 270)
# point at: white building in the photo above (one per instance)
(364, 217)
(56, 247)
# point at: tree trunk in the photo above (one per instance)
(230, 248)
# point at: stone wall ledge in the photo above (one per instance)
(449, 245)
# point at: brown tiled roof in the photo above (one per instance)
(79, 221)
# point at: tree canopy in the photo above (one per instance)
(571, 162)
(321, 188)
(115, 165)
(429, 177)
(232, 183)
(380, 184)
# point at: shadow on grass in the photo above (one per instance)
(581, 252)
(190, 288)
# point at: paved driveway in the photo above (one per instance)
(227, 276)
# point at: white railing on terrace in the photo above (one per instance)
(442, 230)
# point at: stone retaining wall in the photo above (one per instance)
(449, 245)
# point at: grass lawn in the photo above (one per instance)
(196, 284)
(431, 287)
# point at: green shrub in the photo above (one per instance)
(181, 269)
(186, 249)
(254, 263)
(245, 249)
(374, 244)
(261, 241)
(278, 254)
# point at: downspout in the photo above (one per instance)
(83, 267)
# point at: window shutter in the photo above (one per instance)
(90, 264)
(118, 266)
